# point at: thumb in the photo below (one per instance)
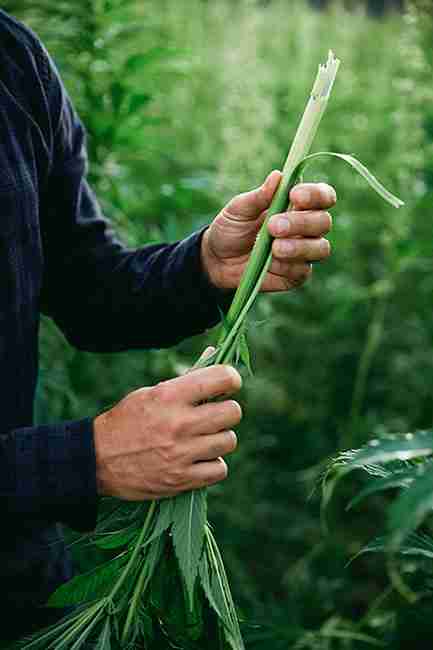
(250, 205)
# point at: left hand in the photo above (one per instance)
(299, 235)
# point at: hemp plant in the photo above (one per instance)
(167, 586)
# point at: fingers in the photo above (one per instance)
(312, 196)
(199, 385)
(213, 417)
(295, 223)
(250, 205)
(301, 250)
(285, 276)
(213, 446)
(206, 473)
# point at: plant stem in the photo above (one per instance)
(140, 587)
(136, 551)
(226, 352)
(300, 148)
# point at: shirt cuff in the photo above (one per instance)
(54, 474)
(204, 296)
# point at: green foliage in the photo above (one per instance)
(188, 533)
(89, 586)
(217, 88)
(393, 453)
(402, 463)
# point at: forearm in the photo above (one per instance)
(109, 298)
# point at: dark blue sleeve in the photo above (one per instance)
(48, 474)
(102, 295)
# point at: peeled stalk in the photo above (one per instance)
(300, 148)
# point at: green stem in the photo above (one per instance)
(227, 348)
(136, 551)
(140, 587)
(301, 145)
(85, 618)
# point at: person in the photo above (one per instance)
(60, 257)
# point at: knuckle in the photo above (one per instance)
(173, 479)
(160, 392)
(174, 428)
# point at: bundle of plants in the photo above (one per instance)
(165, 585)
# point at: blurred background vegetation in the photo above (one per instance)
(189, 102)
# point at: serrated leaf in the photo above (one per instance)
(215, 585)
(205, 580)
(373, 454)
(415, 545)
(362, 170)
(181, 624)
(393, 448)
(398, 479)
(188, 530)
(411, 507)
(164, 519)
(89, 586)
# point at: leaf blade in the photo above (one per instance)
(188, 531)
(362, 170)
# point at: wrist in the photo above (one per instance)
(209, 262)
(102, 445)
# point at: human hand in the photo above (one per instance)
(299, 235)
(163, 440)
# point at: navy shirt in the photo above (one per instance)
(59, 256)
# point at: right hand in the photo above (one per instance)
(163, 440)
